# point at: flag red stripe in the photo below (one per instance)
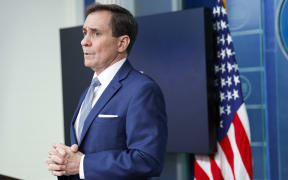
(227, 149)
(199, 174)
(243, 144)
(216, 172)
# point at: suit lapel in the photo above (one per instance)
(109, 92)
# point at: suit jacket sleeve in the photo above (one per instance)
(146, 137)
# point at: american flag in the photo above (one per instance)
(233, 160)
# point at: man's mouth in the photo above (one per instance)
(87, 54)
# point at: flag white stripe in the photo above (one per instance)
(224, 165)
(204, 163)
(217, 157)
(239, 168)
(242, 114)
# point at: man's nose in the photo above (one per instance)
(86, 41)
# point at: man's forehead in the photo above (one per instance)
(97, 19)
(90, 28)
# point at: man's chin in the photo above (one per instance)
(88, 63)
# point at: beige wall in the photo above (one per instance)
(31, 116)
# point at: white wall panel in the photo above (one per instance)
(31, 116)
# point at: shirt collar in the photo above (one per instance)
(107, 75)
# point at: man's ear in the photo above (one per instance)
(123, 42)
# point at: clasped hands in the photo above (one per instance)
(64, 160)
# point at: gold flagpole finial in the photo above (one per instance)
(224, 2)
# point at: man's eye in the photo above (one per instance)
(97, 33)
(84, 33)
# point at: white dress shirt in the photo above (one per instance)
(105, 78)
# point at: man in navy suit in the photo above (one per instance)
(124, 134)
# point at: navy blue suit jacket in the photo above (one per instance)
(132, 145)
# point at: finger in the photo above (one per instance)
(58, 173)
(58, 152)
(53, 152)
(57, 160)
(74, 148)
(56, 167)
(49, 161)
(57, 145)
(61, 151)
(61, 147)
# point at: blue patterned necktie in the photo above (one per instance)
(87, 105)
